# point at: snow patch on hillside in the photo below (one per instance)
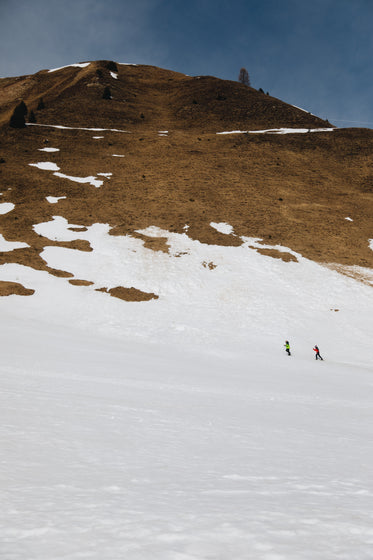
(62, 127)
(91, 179)
(46, 166)
(279, 131)
(222, 227)
(6, 207)
(54, 199)
(50, 166)
(79, 65)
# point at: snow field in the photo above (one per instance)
(120, 449)
(178, 429)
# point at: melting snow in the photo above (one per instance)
(49, 149)
(91, 180)
(114, 75)
(49, 166)
(62, 127)
(54, 199)
(6, 207)
(46, 166)
(222, 227)
(349, 219)
(279, 131)
(80, 65)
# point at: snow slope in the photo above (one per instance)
(178, 428)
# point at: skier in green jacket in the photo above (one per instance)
(287, 347)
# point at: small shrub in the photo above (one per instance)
(107, 93)
(31, 117)
(17, 120)
(111, 66)
(41, 105)
(243, 77)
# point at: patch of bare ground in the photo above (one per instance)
(209, 265)
(30, 256)
(14, 288)
(274, 253)
(356, 272)
(78, 228)
(77, 282)
(128, 294)
(153, 243)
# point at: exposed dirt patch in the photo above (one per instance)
(153, 243)
(78, 228)
(14, 288)
(76, 282)
(128, 294)
(274, 253)
(357, 273)
(209, 265)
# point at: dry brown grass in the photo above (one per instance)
(128, 294)
(14, 288)
(294, 190)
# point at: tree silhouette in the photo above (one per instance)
(107, 93)
(110, 65)
(17, 120)
(243, 77)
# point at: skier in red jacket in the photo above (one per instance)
(317, 353)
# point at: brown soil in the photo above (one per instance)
(209, 265)
(13, 288)
(153, 243)
(128, 294)
(274, 253)
(294, 190)
(80, 282)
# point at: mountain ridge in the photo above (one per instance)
(168, 166)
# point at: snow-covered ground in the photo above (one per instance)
(178, 428)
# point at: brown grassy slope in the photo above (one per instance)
(147, 97)
(295, 190)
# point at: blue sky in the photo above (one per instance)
(315, 54)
